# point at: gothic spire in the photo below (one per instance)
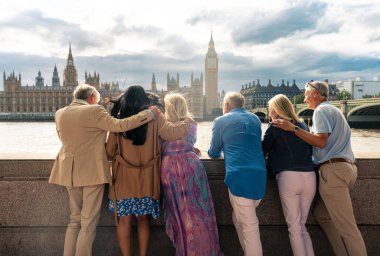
(153, 84)
(153, 79)
(70, 57)
(211, 43)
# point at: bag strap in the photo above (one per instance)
(115, 165)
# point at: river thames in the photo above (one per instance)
(39, 140)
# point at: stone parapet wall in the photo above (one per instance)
(34, 214)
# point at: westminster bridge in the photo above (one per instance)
(363, 113)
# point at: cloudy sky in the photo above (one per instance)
(127, 41)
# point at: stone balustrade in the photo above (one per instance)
(34, 214)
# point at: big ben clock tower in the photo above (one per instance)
(211, 77)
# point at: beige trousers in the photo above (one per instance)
(246, 224)
(334, 211)
(85, 205)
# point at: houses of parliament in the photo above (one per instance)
(41, 98)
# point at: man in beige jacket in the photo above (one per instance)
(81, 164)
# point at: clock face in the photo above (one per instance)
(211, 63)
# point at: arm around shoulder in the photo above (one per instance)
(172, 131)
(318, 140)
(106, 122)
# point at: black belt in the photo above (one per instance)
(336, 160)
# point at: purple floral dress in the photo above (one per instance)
(188, 205)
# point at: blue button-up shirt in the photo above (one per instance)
(238, 134)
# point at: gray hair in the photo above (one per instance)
(84, 91)
(321, 87)
(235, 99)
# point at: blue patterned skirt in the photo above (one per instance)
(136, 206)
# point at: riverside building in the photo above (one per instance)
(257, 95)
(360, 86)
(42, 98)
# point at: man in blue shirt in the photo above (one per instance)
(330, 137)
(238, 134)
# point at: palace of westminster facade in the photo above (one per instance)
(41, 98)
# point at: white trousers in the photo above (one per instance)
(297, 190)
(246, 224)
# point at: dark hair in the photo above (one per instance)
(128, 104)
(154, 100)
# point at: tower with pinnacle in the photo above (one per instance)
(92, 80)
(196, 100)
(70, 74)
(172, 83)
(55, 79)
(153, 87)
(39, 80)
(211, 77)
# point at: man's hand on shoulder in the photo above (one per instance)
(283, 124)
(197, 151)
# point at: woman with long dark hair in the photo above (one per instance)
(136, 168)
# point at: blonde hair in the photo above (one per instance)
(284, 108)
(176, 107)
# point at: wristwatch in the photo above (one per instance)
(295, 129)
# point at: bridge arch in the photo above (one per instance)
(262, 115)
(307, 115)
(364, 116)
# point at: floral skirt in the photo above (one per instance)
(136, 206)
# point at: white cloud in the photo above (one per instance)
(254, 39)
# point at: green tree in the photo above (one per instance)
(367, 96)
(344, 95)
(298, 99)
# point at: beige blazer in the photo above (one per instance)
(82, 129)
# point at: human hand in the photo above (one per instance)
(197, 151)
(283, 124)
(155, 110)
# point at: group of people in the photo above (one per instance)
(150, 152)
(153, 156)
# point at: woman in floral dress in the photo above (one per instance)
(188, 205)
